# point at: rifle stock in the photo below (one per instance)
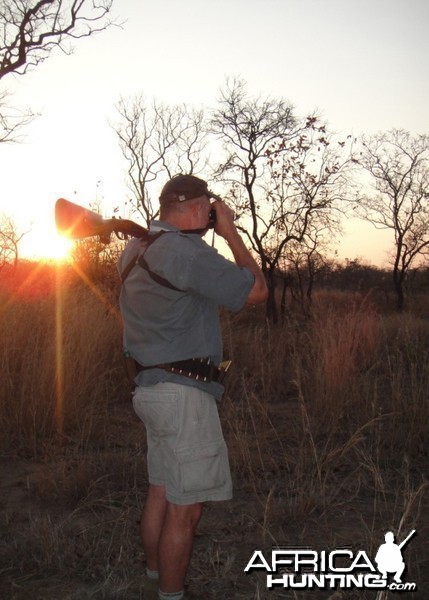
(78, 222)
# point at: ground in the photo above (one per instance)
(70, 514)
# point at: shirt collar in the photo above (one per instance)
(156, 226)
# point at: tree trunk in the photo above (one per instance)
(283, 297)
(398, 282)
(271, 307)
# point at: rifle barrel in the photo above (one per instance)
(407, 539)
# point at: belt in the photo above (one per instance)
(200, 369)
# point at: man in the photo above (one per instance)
(170, 305)
(389, 558)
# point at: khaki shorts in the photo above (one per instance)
(186, 450)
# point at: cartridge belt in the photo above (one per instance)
(200, 369)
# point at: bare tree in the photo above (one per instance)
(158, 140)
(397, 163)
(9, 241)
(31, 29)
(12, 119)
(306, 259)
(281, 172)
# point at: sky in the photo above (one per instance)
(361, 63)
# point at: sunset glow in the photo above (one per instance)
(332, 73)
(52, 247)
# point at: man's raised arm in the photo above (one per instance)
(225, 227)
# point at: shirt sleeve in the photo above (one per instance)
(211, 275)
(192, 265)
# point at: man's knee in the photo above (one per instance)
(187, 515)
(156, 491)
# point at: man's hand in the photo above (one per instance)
(224, 225)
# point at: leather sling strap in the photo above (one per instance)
(157, 278)
(136, 260)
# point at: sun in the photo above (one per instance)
(56, 248)
(48, 246)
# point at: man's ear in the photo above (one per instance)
(196, 208)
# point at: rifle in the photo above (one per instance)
(407, 539)
(78, 222)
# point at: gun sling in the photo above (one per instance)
(140, 260)
(148, 240)
(200, 369)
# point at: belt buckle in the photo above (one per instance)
(223, 369)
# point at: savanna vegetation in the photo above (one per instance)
(326, 417)
(326, 409)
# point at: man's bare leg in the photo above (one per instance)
(175, 545)
(152, 522)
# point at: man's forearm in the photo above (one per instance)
(226, 228)
(243, 258)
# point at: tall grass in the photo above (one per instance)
(326, 420)
(340, 425)
(60, 364)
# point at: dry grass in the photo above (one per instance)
(60, 366)
(326, 420)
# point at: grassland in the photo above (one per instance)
(326, 420)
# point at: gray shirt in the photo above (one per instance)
(162, 325)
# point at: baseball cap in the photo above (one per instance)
(185, 187)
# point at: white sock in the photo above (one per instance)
(152, 574)
(170, 595)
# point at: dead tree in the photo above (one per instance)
(398, 165)
(281, 173)
(158, 141)
(10, 239)
(30, 30)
